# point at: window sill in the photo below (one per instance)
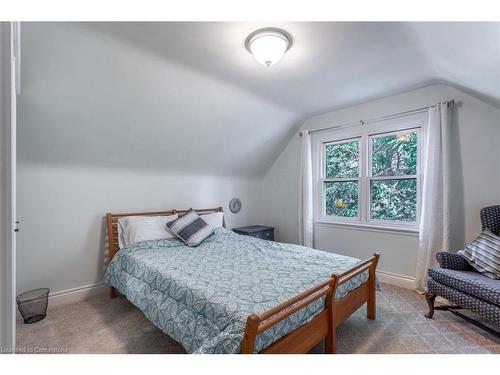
(369, 227)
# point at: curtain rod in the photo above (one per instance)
(450, 104)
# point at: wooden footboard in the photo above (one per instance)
(323, 326)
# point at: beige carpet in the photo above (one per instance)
(102, 325)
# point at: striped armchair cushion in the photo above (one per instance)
(191, 228)
(484, 254)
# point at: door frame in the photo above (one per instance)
(8, 110)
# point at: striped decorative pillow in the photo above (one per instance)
(191, 228)
(484, 254)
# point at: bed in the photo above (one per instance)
(239, 294)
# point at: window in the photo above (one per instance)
(370, 175)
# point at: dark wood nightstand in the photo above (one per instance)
(258, 231)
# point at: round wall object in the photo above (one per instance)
(235, 205)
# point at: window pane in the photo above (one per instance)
(394, 154)
(394, 200)
(342, 159)
(341, 198)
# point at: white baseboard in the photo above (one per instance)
(395, 279)
(77, 294)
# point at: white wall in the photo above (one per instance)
(476, 178)
(62, 240)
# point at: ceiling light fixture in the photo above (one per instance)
(268, 45)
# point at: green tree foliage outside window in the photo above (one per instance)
(342, 161)
(341, 198)
(394, 155)
(394, 200)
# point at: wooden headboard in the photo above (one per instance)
(112, 222)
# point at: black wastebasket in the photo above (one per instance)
(33, 305)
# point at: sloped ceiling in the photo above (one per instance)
(188, 96)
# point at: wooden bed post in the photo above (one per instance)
(111, 246)
(331, 337)
(248, 342)
(371, 306)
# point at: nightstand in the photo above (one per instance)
(258, 231)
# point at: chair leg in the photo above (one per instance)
(430, 298)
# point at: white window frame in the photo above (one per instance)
(414, 122)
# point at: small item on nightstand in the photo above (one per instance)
(258, 231)
(33, 305)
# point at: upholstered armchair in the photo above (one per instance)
(490, 219)
(461, 284)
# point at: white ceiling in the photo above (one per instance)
(332, 64)
(189, 97)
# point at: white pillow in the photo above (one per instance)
(132, 229)
(215, 220)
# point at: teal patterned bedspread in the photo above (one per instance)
(202, 296)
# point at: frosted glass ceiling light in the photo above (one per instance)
(268, 45)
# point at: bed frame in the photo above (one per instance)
(304, 338)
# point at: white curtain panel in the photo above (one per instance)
(306, 191)
(434, 218)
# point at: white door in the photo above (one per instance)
(8, 37)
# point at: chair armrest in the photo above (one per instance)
(453, 261)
